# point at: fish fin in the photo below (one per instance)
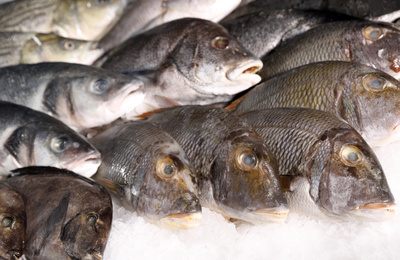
(289, 182)
(166, 102)
(109, 185)
(146, 114)
(234, 104)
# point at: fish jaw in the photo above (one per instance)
(376, 211)
(93, 256)
(246, 71)
(129, 97)
(180, 220)
(85, 165)
(276, 214)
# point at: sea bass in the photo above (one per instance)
(325, 165)
(370, 43)
(366, 98)
(85, 20)
(236, 174)
(17, 48)
(29, 137)
(12, 223)
(81, 96)
(195, 62)
(143, 15)
(68, 216)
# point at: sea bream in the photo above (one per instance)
(85, 20)
(150, 174)
(21, 48)
(12, 223)
(326, 167)
(68, 216)
(370, 43)
(80, 96)
(236, 173)
(186, 61)
(29, 137)
(364, 97)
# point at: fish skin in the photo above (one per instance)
(80, 96)
(18, 47)
(132, 155)
(12, 235)
(185, 68)
(62, 220)
(214, 141)
(310, 145)
(81, 20)
(261, 31)
(335, 87)
(341, 41)
(29, 137)
(143, 15)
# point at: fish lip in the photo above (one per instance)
(277, 214)
(181, 220)
(246, 70)
(93, 255)
(87, 164)
(390, 206)
(124, 103)
(376, 211)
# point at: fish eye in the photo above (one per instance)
(59, 144)
(351, 155)
(91, 219)
(220, 43)
(373, 33)
(102, 2)
(7, 222)
(68, 45)
(100, 86)
(246, 159)
(374, 83)
(166, 168)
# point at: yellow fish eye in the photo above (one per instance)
(351, 155)
(68, 45)
(374, 83)
(166, 168)
(220, 43)
(373, 33)
(246, 159)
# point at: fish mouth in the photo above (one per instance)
(86, 165)
(246, 72)
(93, 255)
(376, 211)
(276, 214)
(131, 96)
(181, 220)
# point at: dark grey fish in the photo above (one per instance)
(366, 98)
(150, 173)
(81, 96)
(370, 43)
(326, 167)
(12, 223)
(29, 137)
(236, 174)
(68, 216)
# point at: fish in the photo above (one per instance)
(29, 137)
(236, 173)
(370, 43)
(364, 97)
(263, 30)
(149, 173)
(80, 96)
(197, 62)
(82, 20)
(12, 223)
(142, 15)
(326, 167)
(26, 48)
(70, 218)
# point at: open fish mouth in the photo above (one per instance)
(86, 165)
(93, 256)
(181, 220)
(376, 211)
(246, 72)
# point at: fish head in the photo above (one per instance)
(346, 176)
(12, 223)
(53, 48)
(168, 195)
(52, 145)
(86, 20)
(218, 63)
(245, 181)
(377, 46)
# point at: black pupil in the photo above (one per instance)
(69, 45)
(352, 157)
(168, 170)
(62, 143)
(221, 43)
(249, 160)
(7, 222)
(376, 83)
(101, 85)
(91, 220)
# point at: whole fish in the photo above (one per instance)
(195, 62)
(81, 96)
(236, 174)
(370, 43)
(325, 165)
(12, 223)
(143, 15)
(150, 173)
(262, 31)
(16, 48)
(84, 20)
(68, 216)
(29, 137)
(366, 98)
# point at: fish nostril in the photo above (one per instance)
(251, 70)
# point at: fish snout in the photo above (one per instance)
(246, 71)
(93, 255)
(376, 211)
(181, 220)
(275, 214)
(130, 96)
(87, 164)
